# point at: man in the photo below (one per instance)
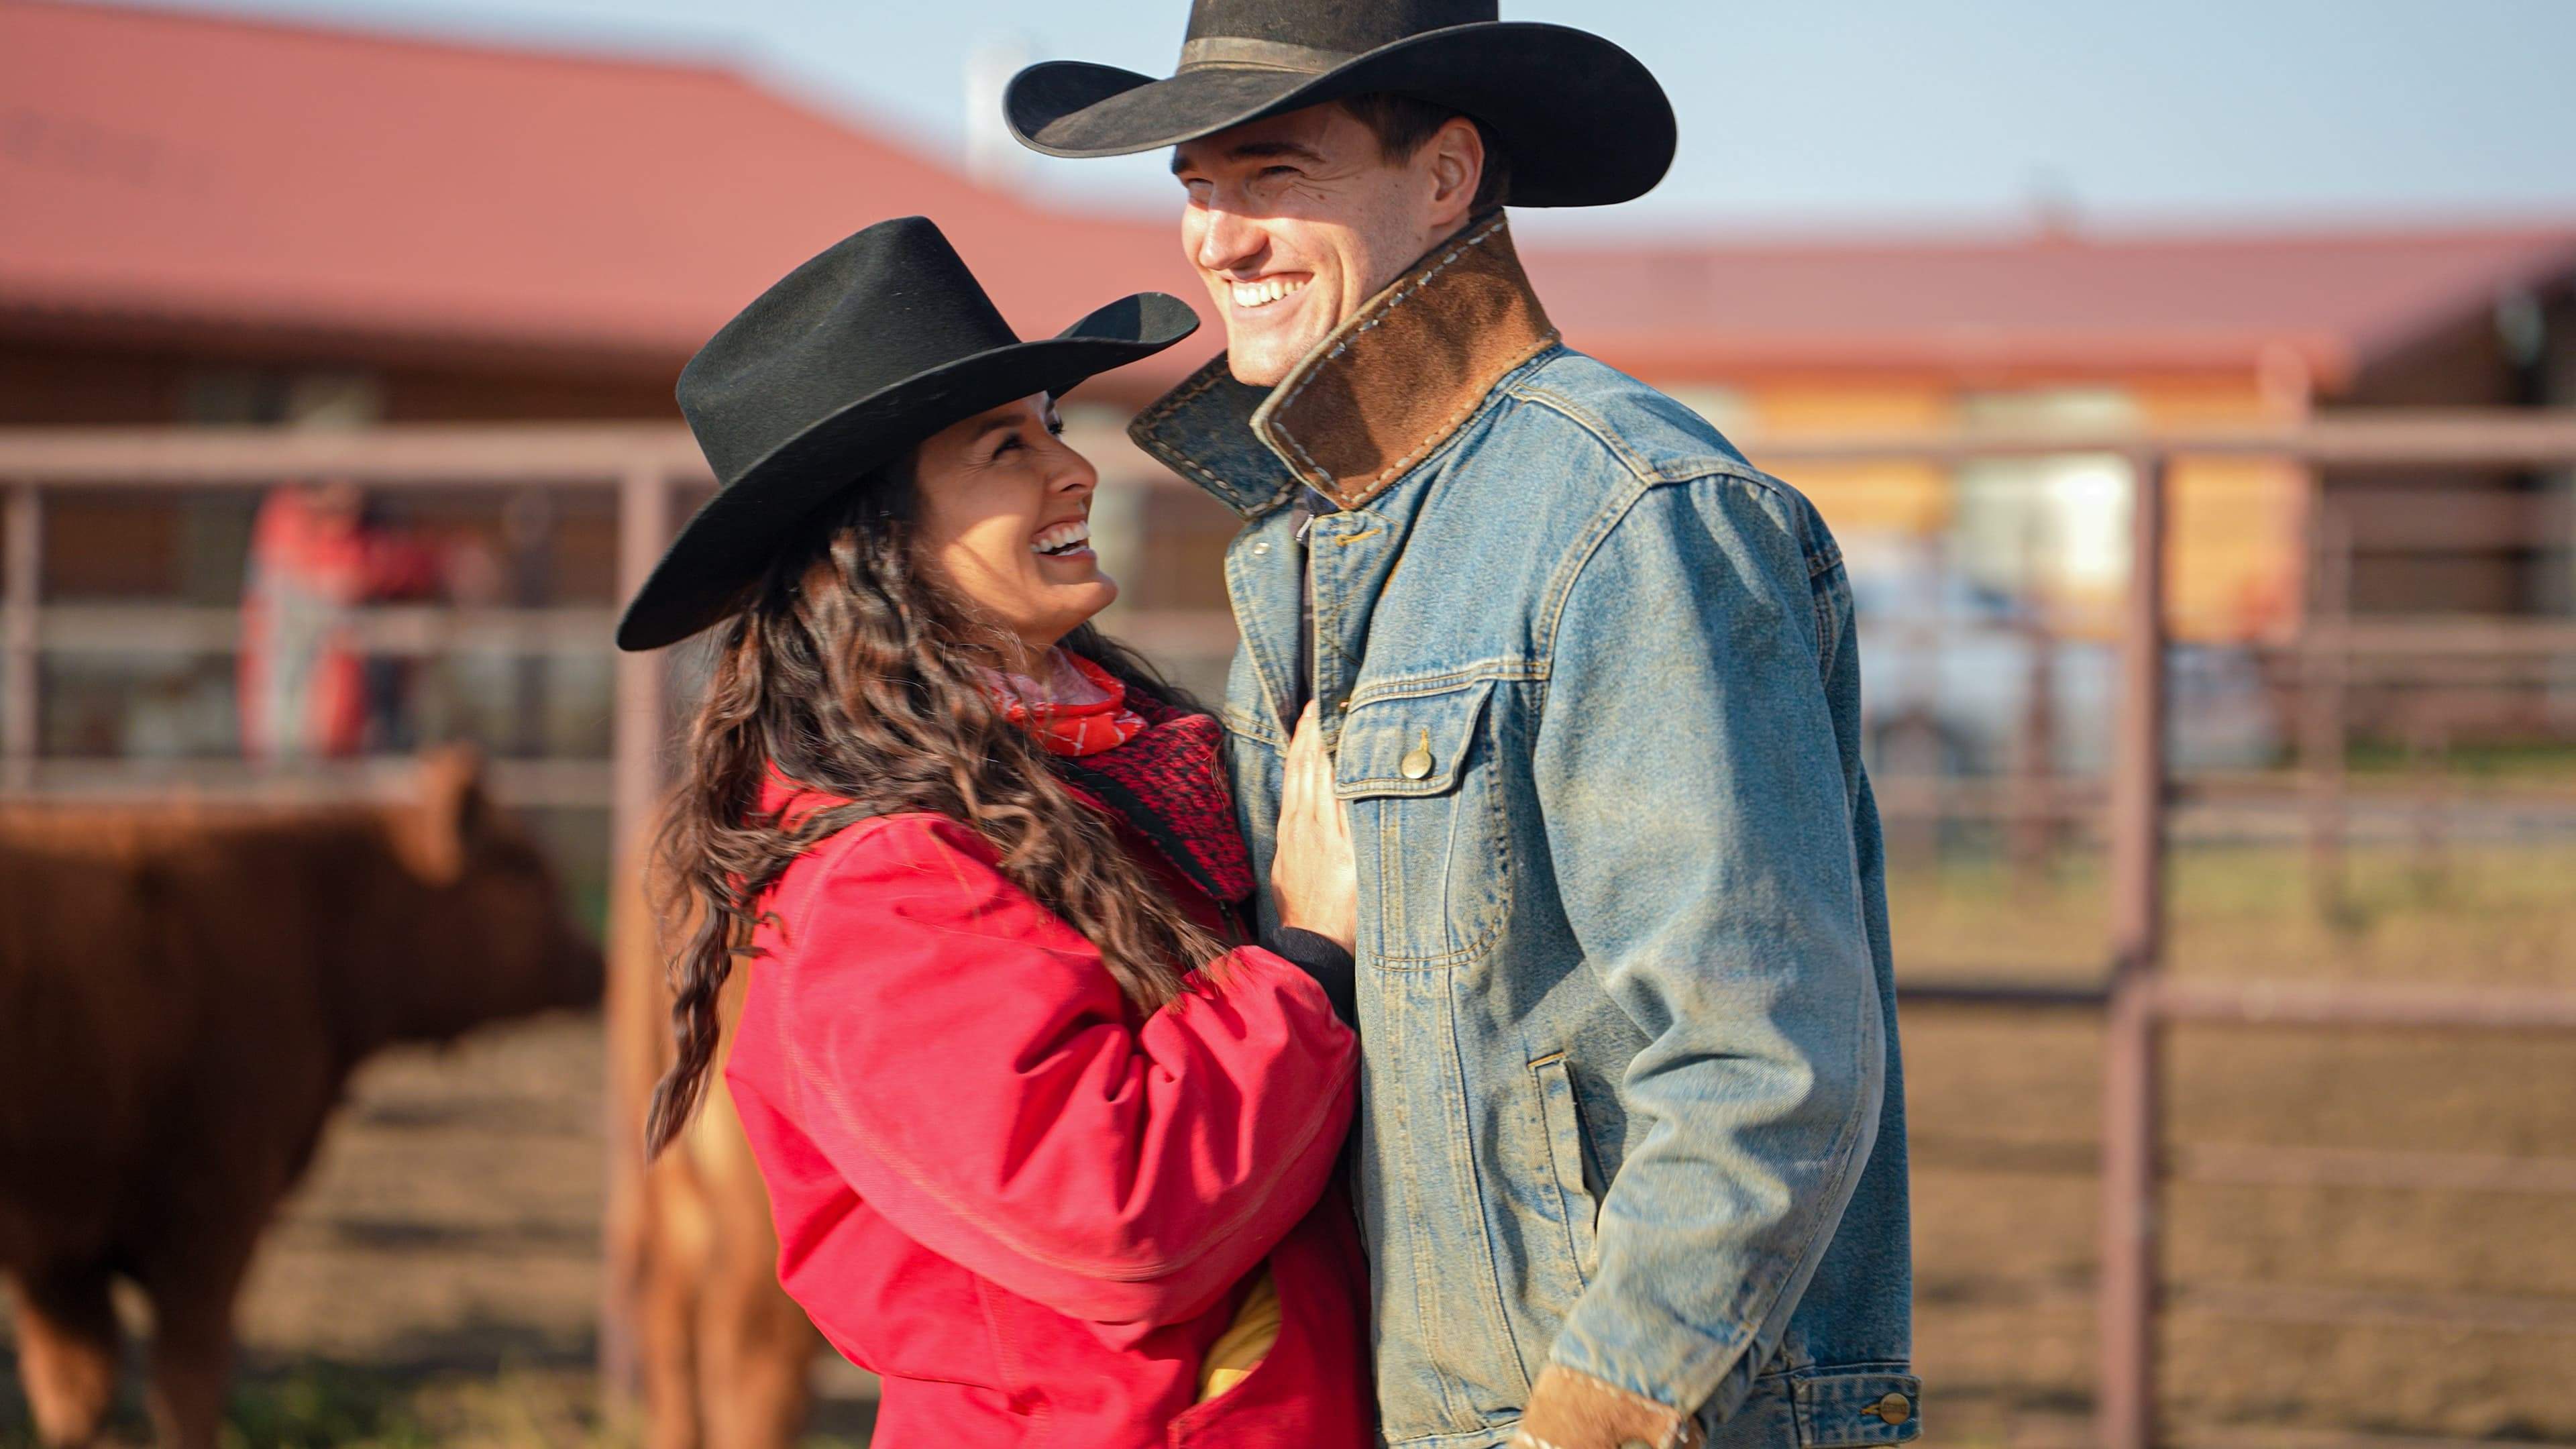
(1631, 1151)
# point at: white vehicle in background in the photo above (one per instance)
(1955, 675)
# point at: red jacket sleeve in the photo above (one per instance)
(963, 1058)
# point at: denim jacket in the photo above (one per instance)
(1631, 1104)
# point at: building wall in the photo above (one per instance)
(48, 382)
(2520, 354)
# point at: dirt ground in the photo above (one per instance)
(437, 1280)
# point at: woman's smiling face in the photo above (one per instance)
(1004, 510)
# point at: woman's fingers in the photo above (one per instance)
(1304, 751)
(1312, 876)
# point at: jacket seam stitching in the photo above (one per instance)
(1248, 614)
(1236, 724)
(1691, 471)
(1451, 681)
(1607, 523)
(1189, 391)
(1462, 1154)
(1828, 627)
(1143, 431)
(1561, 596)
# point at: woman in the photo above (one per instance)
(1048, 1145)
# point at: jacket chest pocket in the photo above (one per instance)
(1418, 772)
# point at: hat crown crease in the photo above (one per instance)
(1242, 52)
(1351, 27)
(891, 301)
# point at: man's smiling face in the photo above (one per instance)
(1295, 221)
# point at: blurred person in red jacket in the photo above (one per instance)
(316, 556)
(1049, 1140)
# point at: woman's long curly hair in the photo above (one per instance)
(855, 672)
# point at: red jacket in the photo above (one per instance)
(1025, 1208)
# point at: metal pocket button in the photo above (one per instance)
(1416, 764)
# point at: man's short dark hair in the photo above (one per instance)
(1403, 124)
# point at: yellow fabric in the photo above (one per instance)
(1245, 1342)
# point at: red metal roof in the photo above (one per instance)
(170, 168)
(183, 167)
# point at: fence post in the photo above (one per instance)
(20, 639)
(2031, 834)
(630, 1003)
(528, 536)
(2126, 1402)
(2325, 669)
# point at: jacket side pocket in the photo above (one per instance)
(1570, 1161)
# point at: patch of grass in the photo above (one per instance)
(2492, 914)
(319, 1404)
(325, 1406)
(2547, 760)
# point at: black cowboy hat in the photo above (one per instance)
(1582, 121)
(837, 370)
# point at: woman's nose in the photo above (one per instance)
(1074, 473)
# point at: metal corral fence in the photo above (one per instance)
(649, 467)
(2138, 999)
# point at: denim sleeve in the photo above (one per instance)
(1699, 823)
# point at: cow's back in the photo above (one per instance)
(162, 1034)
(86, 1043)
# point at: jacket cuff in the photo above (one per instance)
(1323, 958)
(1570, 1409)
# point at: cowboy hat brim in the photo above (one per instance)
(729, 542)
(1583, 121)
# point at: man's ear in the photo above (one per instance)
(1455, 155)
(433, 835)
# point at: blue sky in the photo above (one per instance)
(1805, 114)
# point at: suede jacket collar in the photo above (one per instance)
(1374, 398)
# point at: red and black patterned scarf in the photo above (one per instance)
(1168, 783)
(1158, 767)
(1072, 728)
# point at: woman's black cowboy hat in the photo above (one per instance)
(839, 369)
(1583, 122)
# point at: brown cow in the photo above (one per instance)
(725, 1355)
(183, 995)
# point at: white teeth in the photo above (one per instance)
(1062, 537)
(1264, 292)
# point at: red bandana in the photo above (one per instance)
(1078, 728)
